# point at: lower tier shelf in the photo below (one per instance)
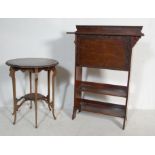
(101, 88)
(102, 107)
(32, 97)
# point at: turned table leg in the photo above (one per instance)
(36, 94)
(30, 78)
(51, 104)
(53, 91)
(12, 74)
(49, 91)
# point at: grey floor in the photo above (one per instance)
(140, 122)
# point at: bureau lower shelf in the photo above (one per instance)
(105, 89)
(102, 107)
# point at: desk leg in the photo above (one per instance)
(126, 104)
(77, 94)
(30, 77)
(12, 75)
(36, 94)
(125, 118)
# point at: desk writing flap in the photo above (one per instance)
(103, 52)
(107, 47)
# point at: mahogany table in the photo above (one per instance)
(33, 66)
(103, 47)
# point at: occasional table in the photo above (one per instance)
(33, 66)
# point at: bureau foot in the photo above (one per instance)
(80, 109)
(124, 123)
(74, 113)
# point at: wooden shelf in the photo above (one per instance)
(106, 89)
(102, 107)
(32, 97)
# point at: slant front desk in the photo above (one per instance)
(103, 47)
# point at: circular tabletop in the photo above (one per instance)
(32, 63)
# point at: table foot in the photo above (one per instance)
(49, 107)
(30, 104)
(53, 114)
(14, 122)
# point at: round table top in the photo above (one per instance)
(32, 63)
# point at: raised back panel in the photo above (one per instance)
(110, 52)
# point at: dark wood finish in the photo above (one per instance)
(102, 107)
(109, 30)
(33, 66)
(96, 51)
(103, 47)
(106, 89)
